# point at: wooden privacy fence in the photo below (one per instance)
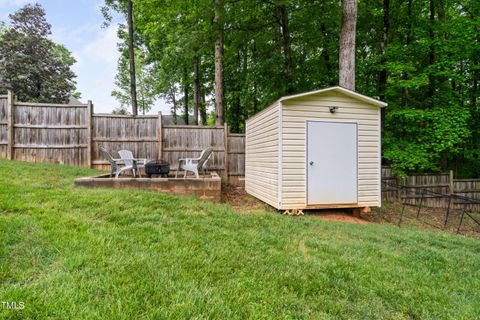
(4, 127)
(431, 190)
(71, 134)
(39, 132)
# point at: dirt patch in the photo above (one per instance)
(241, 201)
(335, 215)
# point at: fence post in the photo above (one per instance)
(10, 124)
(160, 136)
(450, 184)
(89, 133)
(225, 160)
(399, 189)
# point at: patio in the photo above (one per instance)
(207, 187)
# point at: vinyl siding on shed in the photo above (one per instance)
(261, 162)
(296, 112)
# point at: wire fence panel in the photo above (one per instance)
(460, 213)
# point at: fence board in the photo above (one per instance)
(469, 188)
(236, 155)
(114, 132)
(188, 141)
(3, 127)
(50, 133)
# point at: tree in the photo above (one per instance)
(266, 49)
(219, 82)
(382, 76)
(197, 95)
(131, 57)
(178, 37)
(122, 110)
(36, 68)
(145, 82)
(284, 21)
(126, 7)
(430, 124)
(66, 58)
(186, 92)
(347, 44)
(170, 96)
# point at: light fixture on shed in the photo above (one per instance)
(333, 109)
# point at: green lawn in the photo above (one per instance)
(75, 253)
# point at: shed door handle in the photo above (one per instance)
(311, 163)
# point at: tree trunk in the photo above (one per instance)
(409, 22)
(286, 48)
(326, 57)
(255, 101)
(442, 81)
(476, 78)
(235, 115)
(203, 108)
(141, 95)
(196, 88)
(174, 111)
(245, 84)
(347, 44)
(476, 73)
(461, 86)
(278, 41)
(131, 58)
(219, 88)
(382, 77)
(442, 17)
(431, 55)
(185, 97)
(405, 93)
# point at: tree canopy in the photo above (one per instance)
(36, 68)
(420, 56)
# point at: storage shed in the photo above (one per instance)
(319, 149)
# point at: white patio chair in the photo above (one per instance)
(131, 163)
(114, 163)
(194, 164)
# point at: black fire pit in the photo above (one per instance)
(157, 167)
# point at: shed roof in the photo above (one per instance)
(342, 90)
(347, 92)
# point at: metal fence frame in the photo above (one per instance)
(406, 194)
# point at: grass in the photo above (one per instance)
(75, 253)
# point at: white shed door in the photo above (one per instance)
(331, 163)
